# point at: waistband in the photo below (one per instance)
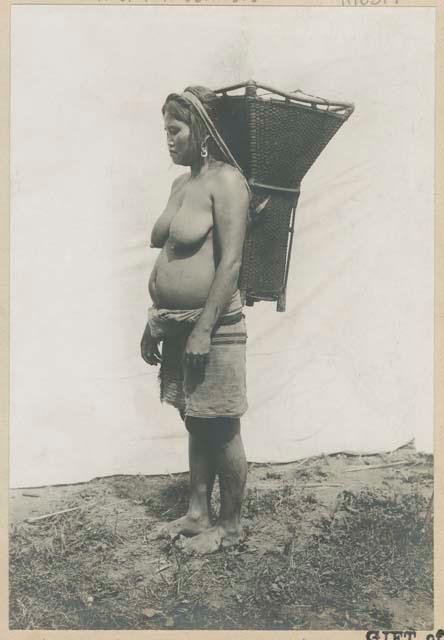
(164, 322)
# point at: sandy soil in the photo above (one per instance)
(330, 542)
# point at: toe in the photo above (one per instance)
(180, 542)
(155, 534)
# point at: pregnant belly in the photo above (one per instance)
(182, 283)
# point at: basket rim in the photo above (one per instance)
(291, 105)
(322, 105)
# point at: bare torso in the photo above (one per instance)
(185, 269)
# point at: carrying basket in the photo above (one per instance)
(275, 137)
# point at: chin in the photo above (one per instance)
(175, 159)
(181, 162)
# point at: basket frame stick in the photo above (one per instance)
(281, 302)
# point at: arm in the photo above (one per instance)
(231, 203)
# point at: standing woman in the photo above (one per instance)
(197, 314)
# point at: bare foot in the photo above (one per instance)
(186, 526)
(212, 540)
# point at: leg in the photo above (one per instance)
(193, 424)
(202, 474)
(231, 466)
(202, 470)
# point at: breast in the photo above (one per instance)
(189, 229)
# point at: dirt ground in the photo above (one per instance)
(331, 542)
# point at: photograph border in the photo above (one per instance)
(355, 5)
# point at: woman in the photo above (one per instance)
(197, 315)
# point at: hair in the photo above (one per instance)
(180, 109)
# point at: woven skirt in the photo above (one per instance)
(217, 390)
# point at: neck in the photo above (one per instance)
(198, 168)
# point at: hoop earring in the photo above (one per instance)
(204, 150)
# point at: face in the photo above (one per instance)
(178, 139)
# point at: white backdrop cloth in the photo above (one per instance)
(348, 366)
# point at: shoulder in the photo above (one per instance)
(227, 176)
(229, 181)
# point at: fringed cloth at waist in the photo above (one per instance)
(170, 322)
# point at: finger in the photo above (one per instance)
(151, 359)
(199, 361)
(190, 360)
(147, 356)
(201, 358)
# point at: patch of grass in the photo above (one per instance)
(375, 544)
(55, 566)
(286, 503)
(272, 475)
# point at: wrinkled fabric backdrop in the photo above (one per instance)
(348, 366)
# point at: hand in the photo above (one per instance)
(149, 348)
(197, 349)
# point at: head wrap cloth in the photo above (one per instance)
(197, 104)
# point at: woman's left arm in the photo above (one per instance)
(231, 204)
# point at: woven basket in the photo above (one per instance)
(275, 138)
